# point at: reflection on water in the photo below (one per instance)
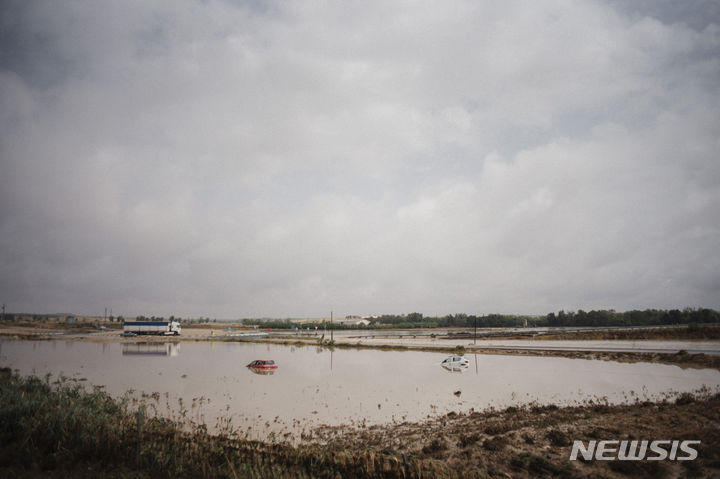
(315, 385)
(454, 369)
(150, 349)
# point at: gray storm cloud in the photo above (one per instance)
(221, 159)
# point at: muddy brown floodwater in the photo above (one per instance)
(314, 385)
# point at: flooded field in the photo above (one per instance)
(671, 347)
(314, 385)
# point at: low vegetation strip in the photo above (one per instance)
(690, 332)
(62, 429)
(681, 359)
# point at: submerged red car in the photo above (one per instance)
(264, 364)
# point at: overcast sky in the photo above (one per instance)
(248, 158)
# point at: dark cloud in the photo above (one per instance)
(696, 14)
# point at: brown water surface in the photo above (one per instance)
(314, 385)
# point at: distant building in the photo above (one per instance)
(354, 321)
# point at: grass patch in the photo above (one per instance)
(689, 332)
(62, 429)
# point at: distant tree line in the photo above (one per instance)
(609, 317)
(648, 317)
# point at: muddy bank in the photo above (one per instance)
(680, 333)
(536, 441)
(681, 359)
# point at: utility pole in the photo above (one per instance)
(475, 337)
(332, 338)
(3, 311)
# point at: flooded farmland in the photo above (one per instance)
(314, 385)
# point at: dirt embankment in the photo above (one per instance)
(537, 441)
(691, 332)
(681, 359)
